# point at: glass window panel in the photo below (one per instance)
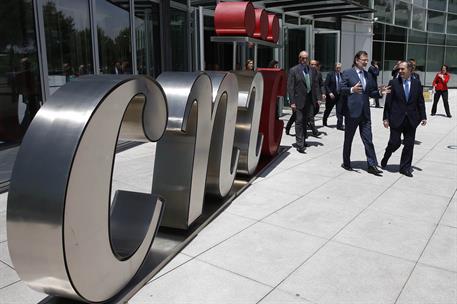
(147, 32)
(113, 30)
(218, 56)
(68, 41)
(419, 18)
(435, 22)
(393, 53)
(451, 62)
(420, 2)
(378, 31)
(20, 91)
(436, 39)
(451, 40)
(451, 24)
(384, 10)
(402, 13)
(437, 4)
(435, 56)
(378, 51)
(394, 33)
(452, 6)
(179, 43)
(417, 37)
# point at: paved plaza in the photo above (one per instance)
(307, 231)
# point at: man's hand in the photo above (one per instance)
(293, 106)
(357, 88)
(424, 122)
(384, 89)
(323, 97)
(386, 123)
(331, 96)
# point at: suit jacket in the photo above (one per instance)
(358, 105)
(296, 86)
(330, 83)
(374, 72)
(396, 108)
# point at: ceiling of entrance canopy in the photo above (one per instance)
(311, 8)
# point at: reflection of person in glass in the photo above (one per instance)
(26, 86)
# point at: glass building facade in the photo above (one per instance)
(47, 43)
(423, 30)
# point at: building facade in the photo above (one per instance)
(47, 43)
(419, 29)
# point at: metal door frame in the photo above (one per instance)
(327, 31)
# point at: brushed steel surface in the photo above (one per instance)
(181, 159)
(247, 136)
(62, 238)
(223, 156)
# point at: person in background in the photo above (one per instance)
(440, 86)
(333, 90)
(396, 69)
(274, 64)
(320, 97)
(403, 112)
(249, 65)
(374, 71)
(413, 73)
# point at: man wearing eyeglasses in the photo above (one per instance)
(356, 87)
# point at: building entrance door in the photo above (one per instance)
(296, 39)
(326, 48)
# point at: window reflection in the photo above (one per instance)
(68, 41)
(113, 30)
(20, 93)
(147, 31)
(179, 43)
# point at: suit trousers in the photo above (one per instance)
(409, 135)
(301, 123)
(364, 126)
(329, 104)
(436, 98)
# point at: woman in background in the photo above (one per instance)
(440, 86)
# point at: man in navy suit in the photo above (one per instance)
(357, 86)
(403, 112)
(332, 88)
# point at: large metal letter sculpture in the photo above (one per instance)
(247, 136)
(270, 126)
(181, 159)
(223, 157)
(62, 237)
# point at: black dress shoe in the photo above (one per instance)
(384, 162)
(432, 114)
(450, 116)
(301, 150)
(374, 170)
(340, 128)
(348, 168)
(406, 173)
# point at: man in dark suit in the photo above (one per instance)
(357, 86)
(303, 89)
(403, 112)
(332, 88)
(374, 71)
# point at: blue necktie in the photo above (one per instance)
(406, 87)
(362, 79)
(337, 82)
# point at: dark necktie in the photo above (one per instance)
(337, 82)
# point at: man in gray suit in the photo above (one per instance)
(356, 87)
(303, 89)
